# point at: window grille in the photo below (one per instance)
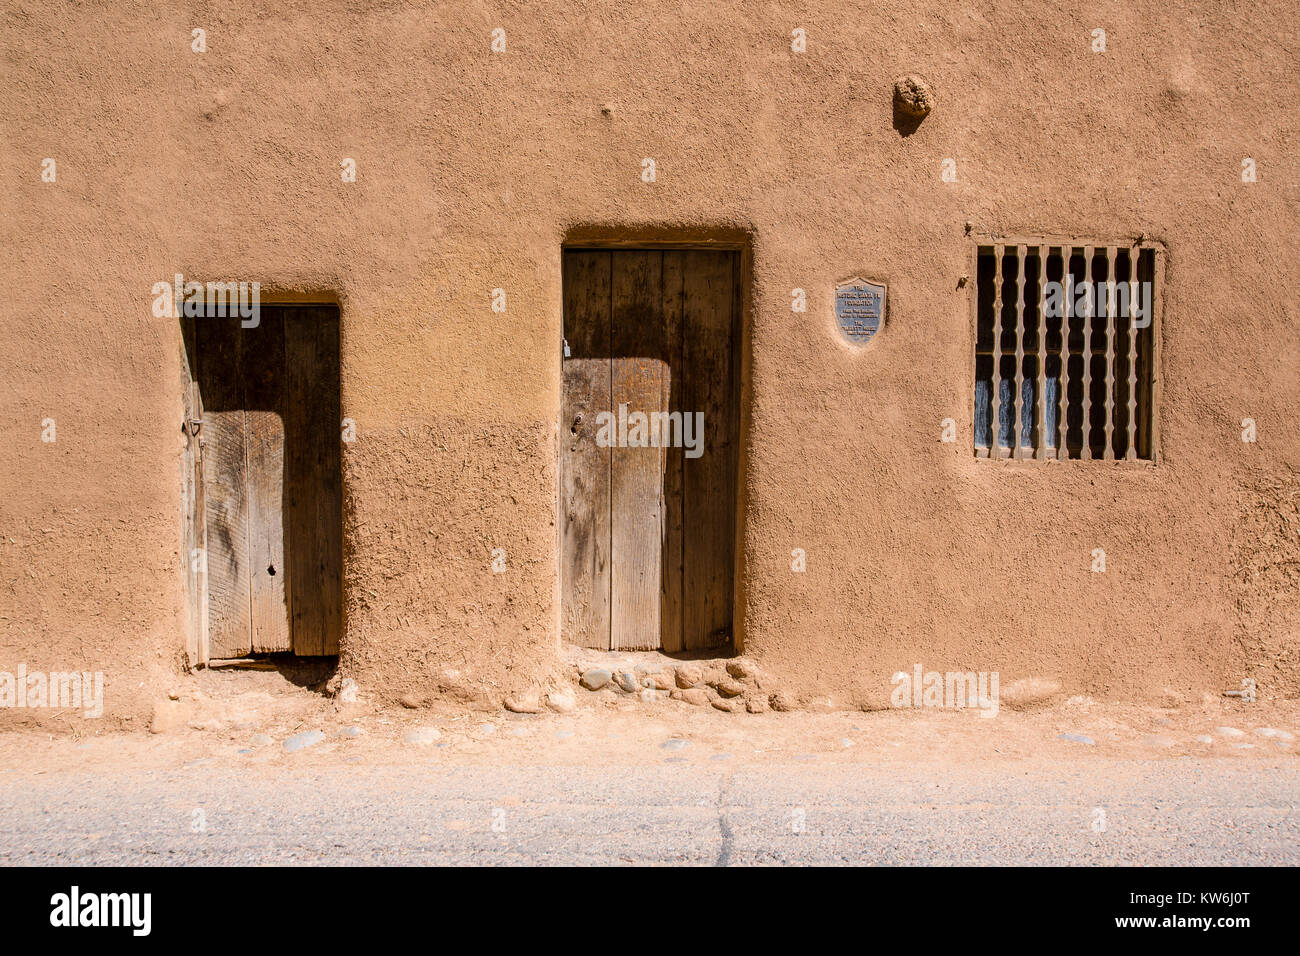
(1066, 338)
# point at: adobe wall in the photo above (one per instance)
(474, 166)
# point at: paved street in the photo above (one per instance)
(696, 811)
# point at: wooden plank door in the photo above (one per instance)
(711, 358)
(636, 472)
(584, 468)
(261, 373)
(193, 536)
(314, 479)
(646, 532)
(225, 487)
(675, 266)
(271, 481)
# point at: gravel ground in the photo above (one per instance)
(697, 811)
(259, 778)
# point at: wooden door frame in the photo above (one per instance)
(720, 239)
(194, 587)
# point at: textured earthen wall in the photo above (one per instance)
(473, 167)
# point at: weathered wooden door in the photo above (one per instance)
(271, 496)
(648, 505)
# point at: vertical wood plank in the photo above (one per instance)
(995, 387)
(262, 374)
(670, 621)
(976, 257)
(204, 602)
(636, 473)
(191, 482)
(1130, 453)
(314, 479)
(731, 492)
(1112, 329)
(1018, 383)
(224, 488)
(1086, 451)
(1040, 451)
(1063, 391)
(194, 547)
(584, 466)
(1151, 397)
(709, 480)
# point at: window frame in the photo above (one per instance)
(1031, 453)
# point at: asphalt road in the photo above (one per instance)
(697, 811)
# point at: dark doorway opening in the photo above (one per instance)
(648, 505)
(266, 495)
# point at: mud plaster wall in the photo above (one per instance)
(472, 169)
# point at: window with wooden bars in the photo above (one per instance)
(1066, 339)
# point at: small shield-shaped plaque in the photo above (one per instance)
(859, 309)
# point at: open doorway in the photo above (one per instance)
(264, 482)
(649, 447)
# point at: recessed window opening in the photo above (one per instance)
(1065, 338)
